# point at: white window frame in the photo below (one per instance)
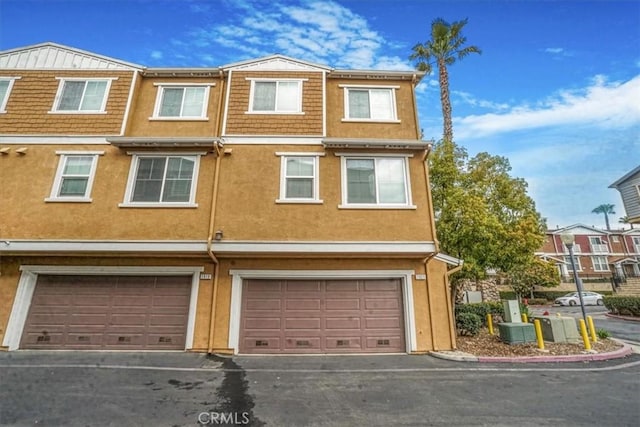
(131, 181)
(57, 181)
(64, 80)
(567, 260)
(374, 156)
(160, 95)
(3, 101)
(253, 81)
(394, 104)
(596, 266)
(283, 178)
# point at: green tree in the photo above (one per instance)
(446, 46)
(607, 210)
(534, 272)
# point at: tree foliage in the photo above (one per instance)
(536, 272)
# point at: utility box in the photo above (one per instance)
(559, 329)
(471, 297)
(517, 333)
(511, 311)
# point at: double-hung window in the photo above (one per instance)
(181, 102)
(82, 95)
(600, 263)
(375, 182)
(576, 259)
(276, 96)
(74, 178)
(367, 103)
(6, 83)
(162, 180)
(299, 182)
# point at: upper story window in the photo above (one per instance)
(600, 263)
(369, 103)
(6, 84)
(74, 177)
(162, 180)
(375, 182)
(182, 102)
(276, 96)
(598, 244)
(82, 95)
(299, 181)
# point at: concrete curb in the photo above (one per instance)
(459, 356)
(627, 318)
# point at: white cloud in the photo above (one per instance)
(554, 50)
(156, 54)
(602, 104)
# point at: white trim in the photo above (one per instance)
(226, 104)
(272, 140)
(63, 80)
(394, 105)
(29, 278)
(324, 103)
(418, 248)
(367, 155)
(277, 81)
(374, 206)
(88, 246)
(239, 275)
(315, 179)
(125, 117)
(54, 196)
(81, 153)
(53, 140)
(300, 153)
(160, 95)
(3, 102)
(347, 86)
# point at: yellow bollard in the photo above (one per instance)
(536, 324)
(525, 319)
(490, 323)
(585, 336)
(592, 329)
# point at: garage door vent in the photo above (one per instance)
(164, 339)
(124, 339)
(262, 343)
(342, 343)
(383, 343)
(44, 338)
(84, 338)
(303, 343)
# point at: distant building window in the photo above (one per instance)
(82, 95)
(6, 84)
(299, 180)
(182, 102)
(162, 180)
(600, 263)
(276, 96)
(74, 177)
(567, 260)
(363, 103)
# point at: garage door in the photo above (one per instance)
(322, 316)
(108, 312)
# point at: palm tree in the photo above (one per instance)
(606, 210)
(446, 46)
(625, 220)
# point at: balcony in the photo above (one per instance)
(637, 248)
(576, 249)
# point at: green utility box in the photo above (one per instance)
(559, 329)
(517, 333)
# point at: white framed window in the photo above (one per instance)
(567, 260)
(84, 96)
(375, 181)
(6, 84)
(370, 103)
(299, 178)
(74, 177)
(162, 180)
(281, 96)
(600, 263)
(184, 101)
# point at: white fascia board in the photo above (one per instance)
(272, 140)
(53, 140)
(414, 248)
(10, 245)
(449, 259)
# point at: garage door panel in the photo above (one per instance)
(303, 304)
(343, 323)
(343, 286)
(262, 286)
(342, 304)
(382, 304)
(296, 286)
(343, 343)
(256, 323)
(262, 344)
(382, 322)
(303, 343)
(302, 323)
(380, 285)
(264, 304)
(383, 343)
(112, 312)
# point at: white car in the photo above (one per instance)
(589, 298)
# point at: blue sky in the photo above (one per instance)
(556, 89)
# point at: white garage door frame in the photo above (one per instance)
(405, 276)
(29, 278)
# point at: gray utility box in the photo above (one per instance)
(559, 329)
(511, 311)
(517, 333)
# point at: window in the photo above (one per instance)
(6, 83)
(82, 95)
(276, 96)
(167, 180)
(74, 177)
(600, 263)
(299, 178)
(375, 182)
(598, 244)
(370, 103)
(567, 260)
(182, 102)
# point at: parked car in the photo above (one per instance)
(589, 298)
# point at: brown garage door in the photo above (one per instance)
(322, 316)
(108, 312)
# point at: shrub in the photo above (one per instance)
(538, 301)
(626, 306)
(481, 310)
(468, 324)
(602, 334)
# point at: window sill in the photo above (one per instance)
(278, 113)
(369, 206)
(77, 112)
(370, 121)
(68, 200)
(181, 119)
(299, 201)
(158, 205)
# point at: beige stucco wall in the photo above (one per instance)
(32, 98)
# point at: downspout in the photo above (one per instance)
(436, 250)
(212, 215)
(452, 331)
